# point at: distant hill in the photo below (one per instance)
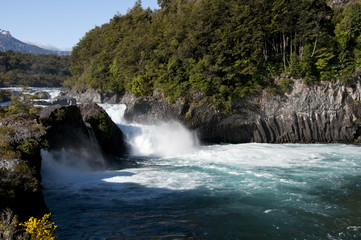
(8, 42)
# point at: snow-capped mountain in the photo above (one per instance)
(8, 42)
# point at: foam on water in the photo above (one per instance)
(242, 191)
(299, 186)
(54, 92)
(161, 179)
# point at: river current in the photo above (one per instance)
(171, 187)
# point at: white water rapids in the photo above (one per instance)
(173, 188)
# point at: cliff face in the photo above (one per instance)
(20, 143)
(328, 113)
(306, 114)
(85, 130)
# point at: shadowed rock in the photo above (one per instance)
(85, 129)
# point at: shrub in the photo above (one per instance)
(285, 84)
(39, 229)
(8, 224)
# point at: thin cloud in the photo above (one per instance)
(44, 45)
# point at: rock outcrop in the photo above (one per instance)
(327, 113)
(42, 95)
(20, 142)
(5, 96)
(93, 96)
(85, 130)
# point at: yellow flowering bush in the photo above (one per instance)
(39, 229)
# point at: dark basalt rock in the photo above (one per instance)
(86, 130)
(110, 138)
(328, 113)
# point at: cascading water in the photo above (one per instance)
(165, 139)
(173, 188)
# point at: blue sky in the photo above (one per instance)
(60, 23)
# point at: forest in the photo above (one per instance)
(225, 49)
(19, 69)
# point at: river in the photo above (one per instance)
(171, 187)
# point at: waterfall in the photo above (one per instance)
(165, 139)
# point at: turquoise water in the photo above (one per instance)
(247, 191)
(170, 187)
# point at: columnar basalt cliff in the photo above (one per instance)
(326, 113)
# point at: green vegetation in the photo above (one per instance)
(21, 138)
(226, 49)
(19, 69)
(103, 127)
(22, 112)
(20, 106)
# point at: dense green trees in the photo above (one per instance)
(223, 48)
(18, 69)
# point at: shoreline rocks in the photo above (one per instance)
(84, 130)
(326, 113)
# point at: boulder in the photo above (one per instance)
(110, 138)
(42, 95)
(63, 101)
(88, 96)
(93, 96)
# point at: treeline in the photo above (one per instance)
(223, 48)
(19, 69)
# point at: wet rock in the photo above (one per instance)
(42, 95)
(84, 129)
(108, 135)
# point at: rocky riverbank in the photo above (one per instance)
(325, 113)
(85, 130)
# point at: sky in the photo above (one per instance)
(60, 23)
